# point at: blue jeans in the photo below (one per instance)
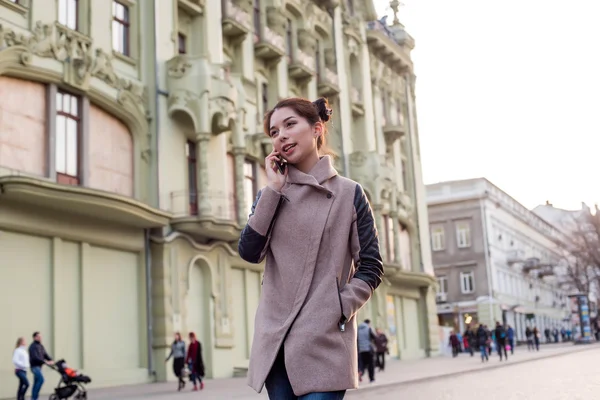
(483, 351)
(23, 384)
(38, 381)
(279, 387)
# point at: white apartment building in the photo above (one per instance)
(495, 260)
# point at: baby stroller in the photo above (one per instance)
(71, 383)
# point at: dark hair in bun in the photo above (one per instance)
(313, 112)
(323, 109)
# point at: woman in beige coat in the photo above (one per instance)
(316, 230)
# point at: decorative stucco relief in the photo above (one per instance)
(81, 61)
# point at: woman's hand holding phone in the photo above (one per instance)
(275, 178)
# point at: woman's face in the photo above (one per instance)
(177, 337)
(22, 342)
(292, 136)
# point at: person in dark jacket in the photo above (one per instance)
(529, 336)
(536, 338)
(501, 340)
(482, 342)
(470, 340)
(37, 358)
(454, 343)
(178, 354)
(365, 338)
(195, 361)
(381, 345)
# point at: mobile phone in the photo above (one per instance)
(280, 166)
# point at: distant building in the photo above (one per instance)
(494, 259)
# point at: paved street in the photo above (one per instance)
(555, 372)
(565, 377)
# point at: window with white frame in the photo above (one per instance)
(463, 234)
(68, 138)
(467, 282)
(442, 285)
(67, 13)
(438, 239)
(121, 29)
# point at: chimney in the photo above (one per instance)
(548, 203)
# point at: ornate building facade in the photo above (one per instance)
(129, 158)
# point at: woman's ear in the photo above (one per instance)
(318, 129)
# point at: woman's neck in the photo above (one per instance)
(307, 164)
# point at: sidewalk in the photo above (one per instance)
(396, 372)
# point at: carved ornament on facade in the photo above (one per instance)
(330, 59)
(353, 47)
(222, 111)
(179, 68)
(75, 51)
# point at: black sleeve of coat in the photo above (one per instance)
(370, 269)
(252, 245)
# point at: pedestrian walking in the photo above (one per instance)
(454, 343)
(195, 362)
(381, 345)
(510, 334)
(500, 334)
(37, 358)
(536, 338)
(317, 233)
(21, 362)
(529, 336)
(470, 340)
(178, 354)
(482, 342)
(366, 337)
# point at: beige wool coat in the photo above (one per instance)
(322, 265)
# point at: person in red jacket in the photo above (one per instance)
(195, 362)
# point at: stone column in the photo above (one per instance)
(239, 154)
(204, 204)
(397, 255)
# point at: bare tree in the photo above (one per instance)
(581, 255)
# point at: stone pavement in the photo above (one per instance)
(570, 376)
(397, 372)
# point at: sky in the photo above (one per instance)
(509, 90)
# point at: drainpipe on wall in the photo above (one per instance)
(149, 321)
(488, 266)
(152, 179)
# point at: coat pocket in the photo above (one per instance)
(342, 321)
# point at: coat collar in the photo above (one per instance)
(321, 172)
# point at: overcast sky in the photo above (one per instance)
(509, 90)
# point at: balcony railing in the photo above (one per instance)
(236, 21)
(329, 83)
(269, 44)
(222, 204)
(302, 66)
